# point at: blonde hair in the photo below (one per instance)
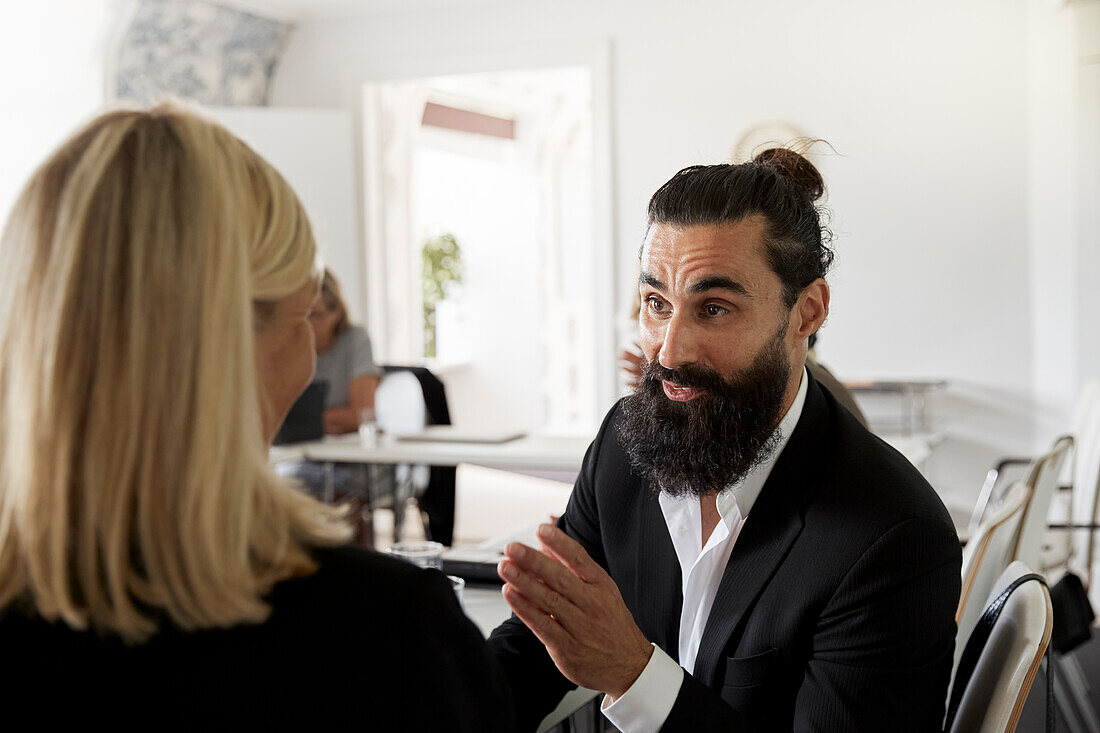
(332, 295)
(134, 480)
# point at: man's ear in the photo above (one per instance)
(812, 308)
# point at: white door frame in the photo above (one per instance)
(595, 55)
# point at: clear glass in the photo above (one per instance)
(422, 553)
(368, 428)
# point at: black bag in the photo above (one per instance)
(1073, 615)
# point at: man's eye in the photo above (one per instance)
(656, 304)
(713, 310)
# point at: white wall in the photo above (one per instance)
(1052, 256)
(1087, 177)
(928, 106)
(51, 80)
(314, 150)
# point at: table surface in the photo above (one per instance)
(535, 452)
(904, 386)
(531, 452)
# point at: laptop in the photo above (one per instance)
(305, 421)
(478, 563)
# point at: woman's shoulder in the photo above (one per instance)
(361, 581)
(348, 563)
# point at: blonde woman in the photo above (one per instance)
(156, 281)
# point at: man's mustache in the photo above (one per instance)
(696, 376)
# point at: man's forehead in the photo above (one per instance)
(707, 250)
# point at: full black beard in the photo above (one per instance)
(702, 446)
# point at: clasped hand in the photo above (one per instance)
(576, 611)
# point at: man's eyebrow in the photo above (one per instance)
(720, 282)
(646, 279)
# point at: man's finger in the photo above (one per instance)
(548, 631)
(541, 595)
(544, 568)
(570, 553)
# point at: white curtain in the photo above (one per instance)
(391, 118)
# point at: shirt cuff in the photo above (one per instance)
(644, 707)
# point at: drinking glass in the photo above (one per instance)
(368, 428)
(422, 553)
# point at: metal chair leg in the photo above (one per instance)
(401, 493)
(1071, 695)
(328, 494)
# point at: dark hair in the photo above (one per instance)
(778, 184)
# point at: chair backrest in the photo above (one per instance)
(994, 694)
(1042, 482)
(1086, 479)
(399, 404)
(986, 556)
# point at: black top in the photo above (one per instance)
(367, 642)
(835, 611)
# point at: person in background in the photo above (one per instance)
(631, 361)
(344, 360)
(346, 368)
(156, 291)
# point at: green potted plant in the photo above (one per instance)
(442, 266)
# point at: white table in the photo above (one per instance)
(531, 452)
(547, 457)
(487, 609)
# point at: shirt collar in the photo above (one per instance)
(742, 494)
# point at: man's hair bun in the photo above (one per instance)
(795, 169)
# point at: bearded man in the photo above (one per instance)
(739, 553)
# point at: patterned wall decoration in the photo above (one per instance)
(197, 51)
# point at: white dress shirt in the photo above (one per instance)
(644, 707)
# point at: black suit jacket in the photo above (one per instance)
(836, 609)
(367, 642)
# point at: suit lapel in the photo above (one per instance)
(658, 591)
(767, 535)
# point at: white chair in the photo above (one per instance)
(985, 558)
(1051, 557)
(399, 404)
(998, 671)
(1086, 486)
(1042, 482)
(400, 409)
(1074, 512)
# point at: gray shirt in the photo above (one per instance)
(349, 357)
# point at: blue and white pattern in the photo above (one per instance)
(198, 51)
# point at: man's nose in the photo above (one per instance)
(680, 345)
